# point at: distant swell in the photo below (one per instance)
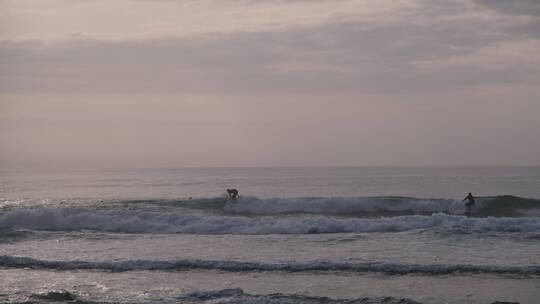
(167, 221)
(235, 266)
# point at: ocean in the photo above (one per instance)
(295, 235)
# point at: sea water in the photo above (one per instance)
(295, 235)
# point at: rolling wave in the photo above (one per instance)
(341, 206)
(167, 221)
(485, 206)
(236, 295)
(228, 296)
(7, 261)
(353, 206)
(498, 206)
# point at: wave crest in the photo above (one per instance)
(357, 206)
(342, 205)
(237, 266)
(236, 295)
(136, 221)
(499, 206)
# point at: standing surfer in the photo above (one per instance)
(469, 203)
(233, 194)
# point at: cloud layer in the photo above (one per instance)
(431, 45)
(373, 55)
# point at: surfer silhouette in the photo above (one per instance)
(233, 194)
(469, 203)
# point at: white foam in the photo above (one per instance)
(137, 221)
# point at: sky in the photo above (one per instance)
(140, 83)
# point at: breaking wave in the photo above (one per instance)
(342, 205)
(499, 206)
(236, 295)
(237, 266)
(167, 221)
(358, 206)
(228, 296)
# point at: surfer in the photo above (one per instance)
(233, 194)
(469, 203)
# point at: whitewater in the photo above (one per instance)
(136, 218)
(295, 235)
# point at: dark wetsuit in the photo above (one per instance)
(470, 202)
(233, 193)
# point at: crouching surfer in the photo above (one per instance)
(469, 203)
(233, 194)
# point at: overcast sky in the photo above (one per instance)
(140, 83)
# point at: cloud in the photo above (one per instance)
(127, 19)
(388, 82)
(518, 7)
(522, 54)
(334, 57)
(402, 47)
